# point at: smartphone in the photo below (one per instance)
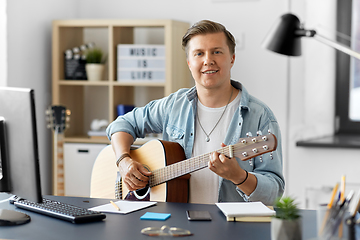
(198, 215)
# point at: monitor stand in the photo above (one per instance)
(11, 217)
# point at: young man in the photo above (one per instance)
(216, 112)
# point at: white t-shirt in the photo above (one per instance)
(204, 183)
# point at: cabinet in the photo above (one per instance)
(90, 100)
(79, 159)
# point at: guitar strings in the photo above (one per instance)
(192, 164)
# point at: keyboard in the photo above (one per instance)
(60, 210)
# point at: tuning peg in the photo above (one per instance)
(259, 133)
(243, 141)
(265, 138)
(249, 134)
(269, 131)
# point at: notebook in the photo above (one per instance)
(246, 211)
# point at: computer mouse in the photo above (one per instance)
(11, 217)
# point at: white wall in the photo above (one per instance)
(312, 108)
(3, 49)
(29, 61)
(249, 21)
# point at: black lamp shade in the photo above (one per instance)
(282, 38)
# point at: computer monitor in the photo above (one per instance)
(19, 145)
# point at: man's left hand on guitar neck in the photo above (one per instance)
(229, 168)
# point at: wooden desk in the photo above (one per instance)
(128, 227)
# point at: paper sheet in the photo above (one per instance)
(242, 209)
(125, 206)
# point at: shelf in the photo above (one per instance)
(86, 139)
(83, 83)
(334, 141)
(140, 83)
(110, 83)
(89, 100)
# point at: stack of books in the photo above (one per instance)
(140, 63)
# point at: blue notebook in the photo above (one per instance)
(155, 216)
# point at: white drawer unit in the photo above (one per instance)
(79, 159)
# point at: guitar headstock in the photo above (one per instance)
(58, 118)
(251, 147)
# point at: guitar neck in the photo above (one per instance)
(179, 169)
(246, 149)
(59, 186)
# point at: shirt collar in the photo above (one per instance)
(244, 101)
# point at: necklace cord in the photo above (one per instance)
(208, 135)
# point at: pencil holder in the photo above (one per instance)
(330, 222)
(353, 227)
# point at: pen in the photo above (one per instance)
(342, 191)
(356, 205)
(333, 196)
(342, 200)
(329, 206)
(115, 206)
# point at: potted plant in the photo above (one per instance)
(286, 223)
(94, 64)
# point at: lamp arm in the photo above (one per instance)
(341, 47)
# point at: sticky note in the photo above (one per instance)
(155, 216)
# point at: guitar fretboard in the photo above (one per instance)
(179, 169)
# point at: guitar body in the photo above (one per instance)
(157, 154)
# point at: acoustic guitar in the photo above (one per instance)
(58, 118)
(170, 172)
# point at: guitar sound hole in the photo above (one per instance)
(139, 195)
(142, 192)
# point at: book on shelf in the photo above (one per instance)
(246, 211)
(122, 109)
(97, 134)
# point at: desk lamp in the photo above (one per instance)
(285, 36)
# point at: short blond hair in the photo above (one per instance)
(204, 27)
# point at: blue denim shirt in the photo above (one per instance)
(174, 117)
